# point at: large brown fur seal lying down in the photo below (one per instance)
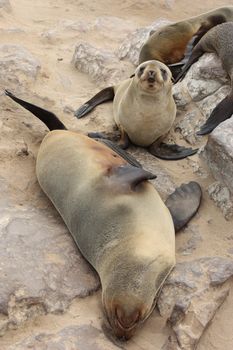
(143, 109)
(220, 41)
(116, 217)
(169, 43)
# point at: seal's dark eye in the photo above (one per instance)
(164, 73)
(141, 70)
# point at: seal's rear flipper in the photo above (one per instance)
(128, 157)
(48, 118)
(221, 112)
(183, 203)
(176, 68)
(104, 95)
(171, 152)
(197, 52)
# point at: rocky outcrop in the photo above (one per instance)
(102, 65)
(17, 66)
(5, 5)
(84, 337)
(222, 197)
(130, 48)
(191, 296)
(41, 269)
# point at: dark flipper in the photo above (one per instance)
(128, 157)
(128, 176)
(171, 152)
(48, 118)
(176, 69)
(183, 203)
(197, 52)
(221, 112)
(104, 95)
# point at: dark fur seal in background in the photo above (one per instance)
(220, 41)
(116, 217)
(144, 110)
(169, 43)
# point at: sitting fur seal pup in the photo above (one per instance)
(116, 217)
(220, 41)
(169, 43)
(143, 109)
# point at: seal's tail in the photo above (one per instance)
(221, 112)
(48, 118)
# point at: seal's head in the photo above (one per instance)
(153, 76)
(130, 294)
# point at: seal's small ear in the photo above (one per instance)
(128, 176)
(133, 75)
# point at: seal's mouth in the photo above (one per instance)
(124, 322)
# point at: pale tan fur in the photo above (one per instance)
(145, 113)
(127, 235)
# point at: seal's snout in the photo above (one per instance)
(151, 76)
(127, 319)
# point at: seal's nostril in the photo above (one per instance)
(151, 79)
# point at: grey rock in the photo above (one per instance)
(17, 65)
(102, 65)
(41, 270)
(191, 296)
(171, 344)
(130, 48)
(197, 169)
(5, 5)
(204, 78)
(181, 95)
(209, 103)
(218, 153)
(187, 127)
(193, 239)
(222, 197)
(85, 337)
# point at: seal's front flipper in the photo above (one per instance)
(221, 112)
(104, 95)
(171, 152)
(47, 117)
(183, 203)
(128, 177)
(128, 157)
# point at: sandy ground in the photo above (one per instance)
(60, 85)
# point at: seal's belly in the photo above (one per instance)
(144, 129)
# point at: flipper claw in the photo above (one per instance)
(83, 110)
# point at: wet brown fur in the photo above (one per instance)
(168, 44)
